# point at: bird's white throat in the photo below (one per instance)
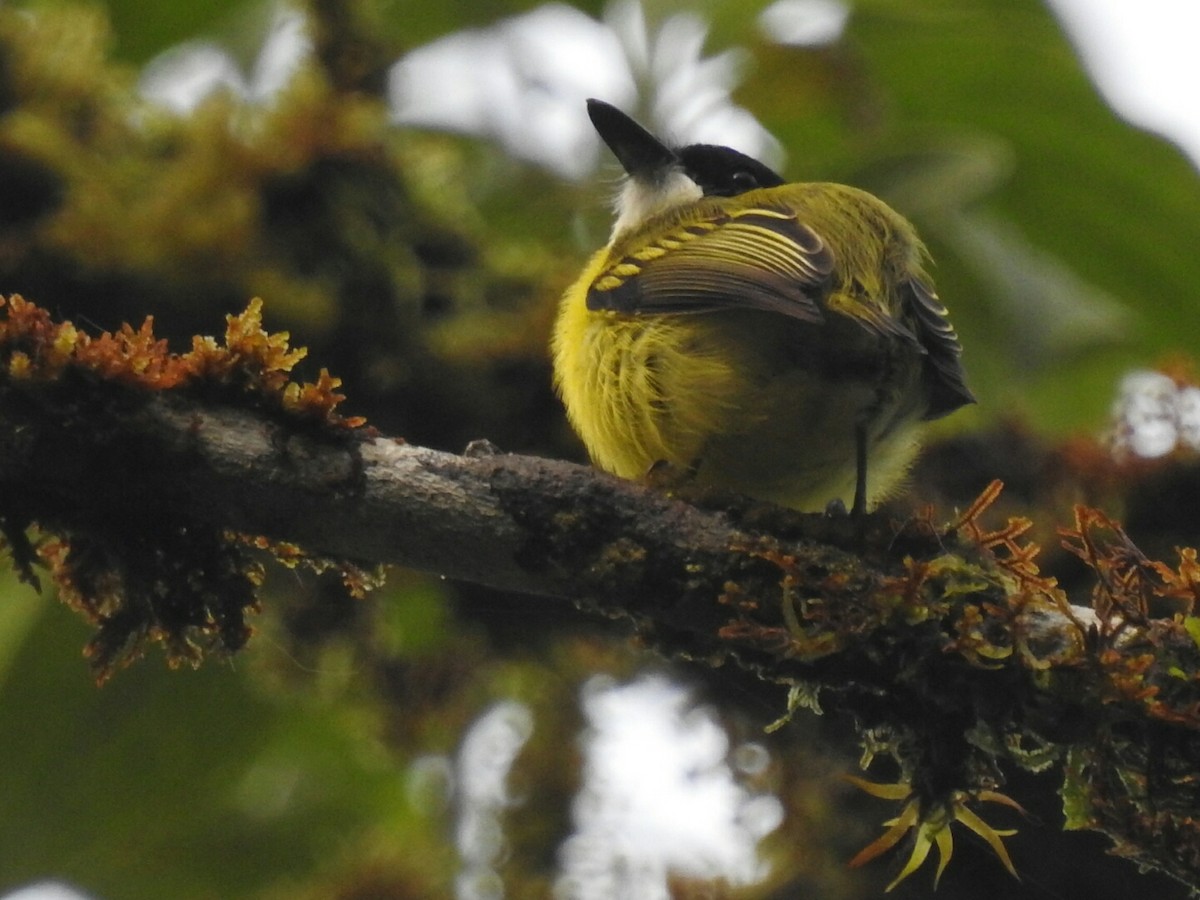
(641, 198)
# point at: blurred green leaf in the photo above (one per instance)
(145, 29)
(184, 784)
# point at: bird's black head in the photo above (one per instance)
(718, 171)
(662, 177)
(723, 171)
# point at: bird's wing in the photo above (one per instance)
(763, 257)
(756, 258)
(943, 352)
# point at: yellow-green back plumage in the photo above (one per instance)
(744, 339)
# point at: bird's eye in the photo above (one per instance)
(744, 181)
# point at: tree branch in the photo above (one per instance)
(534, 526)
(947, 643)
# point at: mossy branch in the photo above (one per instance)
(150, 474)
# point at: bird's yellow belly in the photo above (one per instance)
(745, 401)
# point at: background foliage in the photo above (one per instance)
(423, 268)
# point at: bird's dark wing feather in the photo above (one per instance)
(943, 352)
(757, 258)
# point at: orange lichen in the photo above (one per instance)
(251, 361)
(358, 581)
(1145, 619)
(979, 638)
(1004, 545)
(137, 563)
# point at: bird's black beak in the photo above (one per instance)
(641, 153)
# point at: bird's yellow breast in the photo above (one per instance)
(644, 389)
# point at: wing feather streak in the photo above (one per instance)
(759, 258)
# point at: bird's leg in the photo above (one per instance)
(860, 470)
(664, 474)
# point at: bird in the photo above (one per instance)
(778, 340)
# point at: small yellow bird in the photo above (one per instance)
(761, 337)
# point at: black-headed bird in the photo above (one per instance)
(778, 340)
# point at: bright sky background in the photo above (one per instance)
(1144, 57)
